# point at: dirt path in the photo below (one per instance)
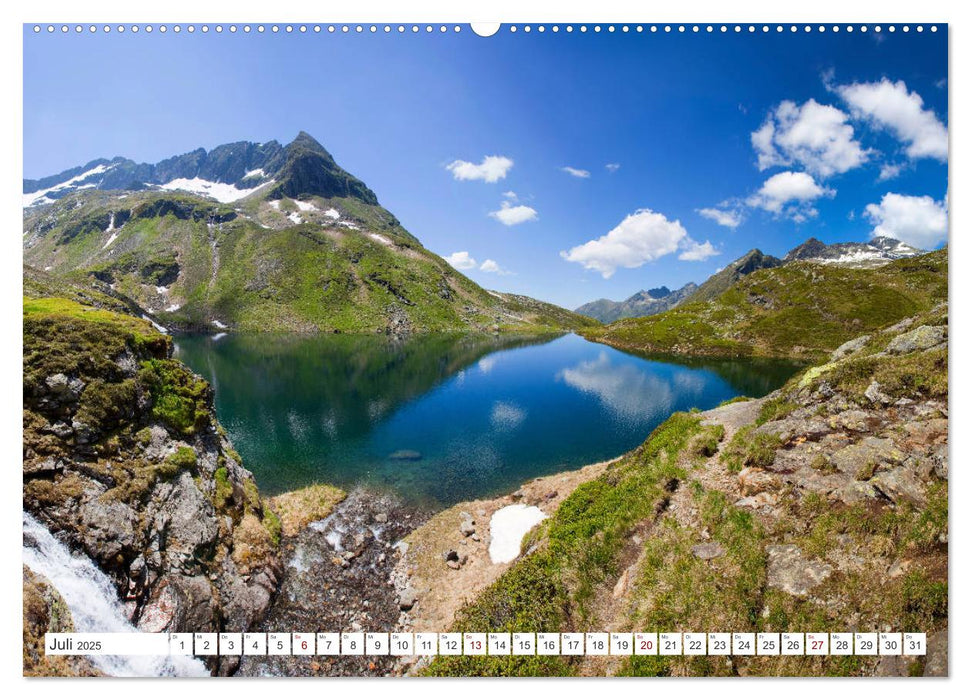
(613, 605)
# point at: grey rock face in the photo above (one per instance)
(848, 348)
(921, 338)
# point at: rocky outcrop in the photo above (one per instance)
(123, 459)
(45, 611)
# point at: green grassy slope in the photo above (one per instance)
(313, 264)
(800, 310)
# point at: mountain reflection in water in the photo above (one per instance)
(442, 418)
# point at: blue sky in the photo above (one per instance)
(722, 142)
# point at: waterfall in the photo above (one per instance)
(94, 605)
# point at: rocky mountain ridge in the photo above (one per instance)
(876, 252)
(643, 303)
(303, 246)
(226, 173)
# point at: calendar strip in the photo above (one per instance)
(203, 644)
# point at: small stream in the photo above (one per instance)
(91, 597)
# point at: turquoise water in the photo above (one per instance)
(444, 418)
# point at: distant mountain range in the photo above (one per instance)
(874, 253)
(257, 237)
(644, 303)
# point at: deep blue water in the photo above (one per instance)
(443, 418)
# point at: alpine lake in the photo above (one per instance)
(437, 419)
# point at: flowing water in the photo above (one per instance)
(91, 597)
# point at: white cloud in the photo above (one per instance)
(919, 221)
(612, 167)
(891, 106)
(575, 172)
(789, 194)
(815, 136)
(510, 195)
(491, 169)
(696, 252)
(729, 218)
(461, 260)
(511, 215)
(641, 237)
(492, 266)
(888, 171)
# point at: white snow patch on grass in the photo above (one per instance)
(295, 217)
(220, 191)
(219, 324)
(305, 206)
(507, 528)
(254, 173)
(173, 307)
(333, 213)
(383, 240)
(275, 204)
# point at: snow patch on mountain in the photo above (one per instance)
(32, 199)
(220, 191)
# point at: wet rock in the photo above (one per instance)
(790, 571)
(921, 338)
(708, 550)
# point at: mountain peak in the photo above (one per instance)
(310, 170)
(306, 142)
